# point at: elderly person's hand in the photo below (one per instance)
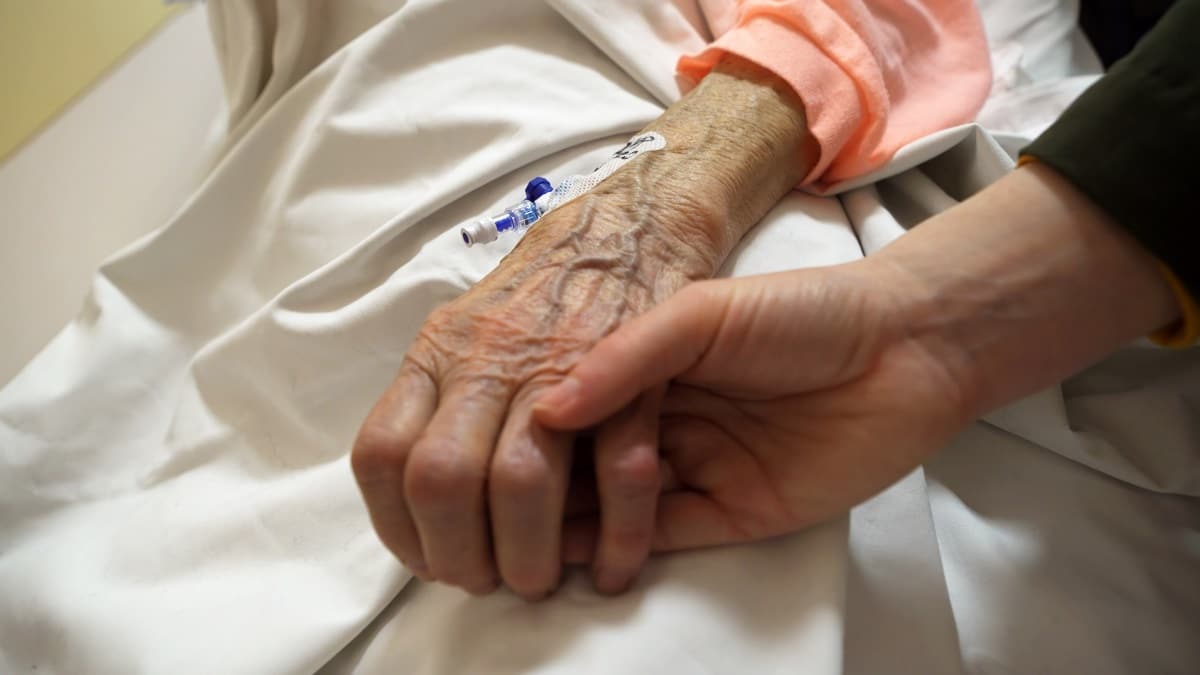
(797, 395)
(461, 485)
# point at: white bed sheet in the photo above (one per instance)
(175, 496)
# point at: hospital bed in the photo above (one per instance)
(175, 496)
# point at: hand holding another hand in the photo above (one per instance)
(793, 397)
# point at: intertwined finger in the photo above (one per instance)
(702, 511)
(526, 492)
(627, 476)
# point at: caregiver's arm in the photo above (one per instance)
(1131, 144)
(460, 485)
(799, 395)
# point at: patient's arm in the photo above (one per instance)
(460, 484)
(873, 75)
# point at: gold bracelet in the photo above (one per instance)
(1182, 333)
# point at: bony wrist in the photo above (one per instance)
(735, 146)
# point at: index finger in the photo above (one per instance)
(380, 456)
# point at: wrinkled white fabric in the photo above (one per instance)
(174, 491)
(1060, 534)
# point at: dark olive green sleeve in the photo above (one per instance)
(1132, 142)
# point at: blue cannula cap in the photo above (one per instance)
(537, 187)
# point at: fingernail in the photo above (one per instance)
(610, 582)
(560, 396)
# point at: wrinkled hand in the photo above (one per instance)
(795, 396)
(460, 484)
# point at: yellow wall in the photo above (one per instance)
(51, 50)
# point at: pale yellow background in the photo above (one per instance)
(52, 50)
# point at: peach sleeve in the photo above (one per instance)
(874, 75)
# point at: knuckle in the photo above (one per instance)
(634, 476)
(525, 476)
(418, 365)
(436, 477)
(478, 379)
(377, 454)
(440, 317)
(431, 345)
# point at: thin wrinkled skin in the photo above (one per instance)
(461, 485)
(582, 272)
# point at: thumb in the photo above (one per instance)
(649, 350)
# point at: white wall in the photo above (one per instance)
(117, 164)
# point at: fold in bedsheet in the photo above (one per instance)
(174, 491)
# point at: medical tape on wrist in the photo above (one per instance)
(574, 186)
(541, 199)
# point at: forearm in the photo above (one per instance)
(1130, 142)
(735, 146)
(740, 141)
(1023, 285)
(874, 76)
